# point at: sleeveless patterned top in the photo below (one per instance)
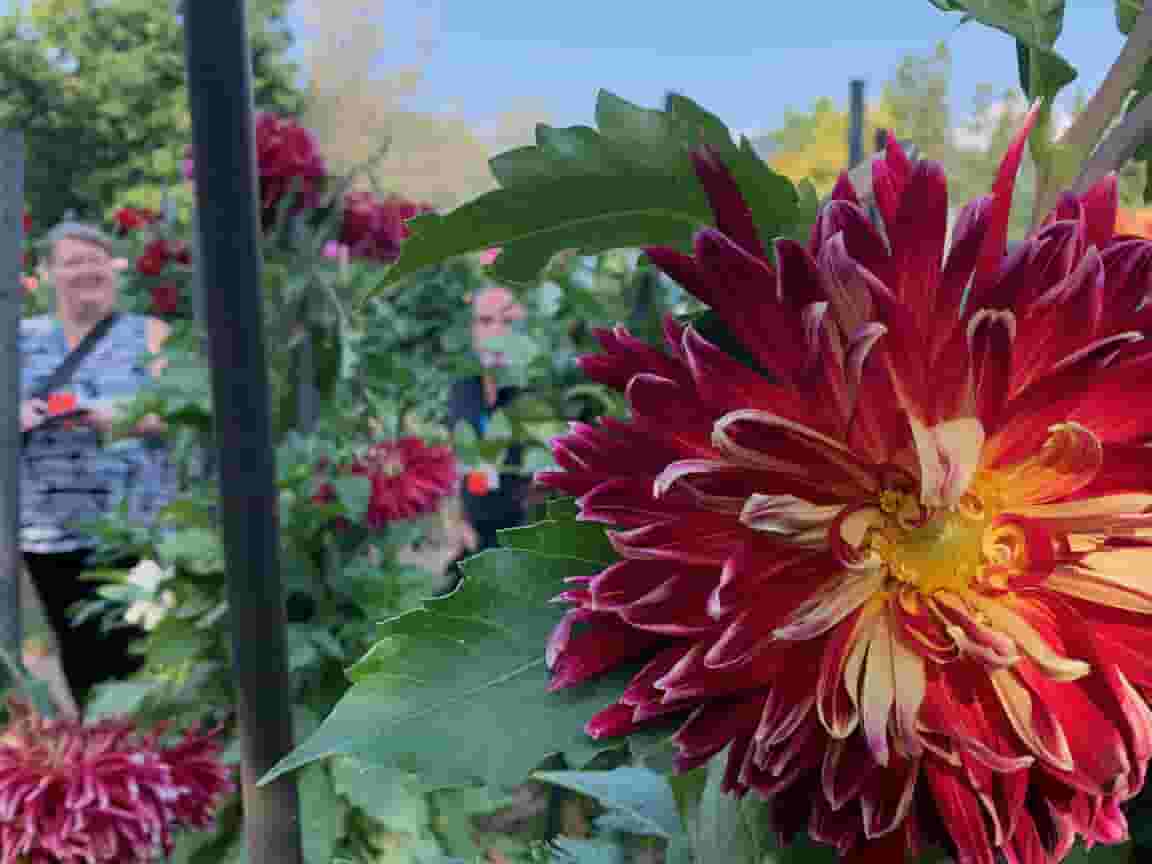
(68, 477)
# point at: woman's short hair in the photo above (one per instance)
(77, 231)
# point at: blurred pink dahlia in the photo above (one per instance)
(101, 792)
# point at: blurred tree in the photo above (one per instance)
(916, 105)
(918, 98)
(366, 61)
(98, 88)
(982, 140)
(814, 144)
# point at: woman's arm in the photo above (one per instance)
(158, 333)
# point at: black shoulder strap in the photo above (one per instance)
(62, 374)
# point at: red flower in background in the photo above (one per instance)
(286, 154)
(129, 219)
(101, 792)
(159, 253)
(409, 478)
(27, 219)
(904, 579)
(374, 228)
(165, 298)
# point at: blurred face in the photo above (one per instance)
(494, 310)
(85, 275)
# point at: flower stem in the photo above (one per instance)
(1118, 146)
(1080, 139)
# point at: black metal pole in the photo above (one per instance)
(856, 123)
(11, 307)
(880, 144)
(220, 97)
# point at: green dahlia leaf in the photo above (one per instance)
(1035, 25)
(457, 690)
(642, 794)
(628, 183)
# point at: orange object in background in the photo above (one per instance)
(61, 403)
(1134, 222)
(477, 483)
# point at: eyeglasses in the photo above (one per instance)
(82, 263)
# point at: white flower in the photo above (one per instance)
(148, 613)
(148, 575)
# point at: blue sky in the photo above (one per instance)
(746, 60)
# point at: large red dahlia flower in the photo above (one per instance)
(100, 792)
(903, 568)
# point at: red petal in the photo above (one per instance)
(727, 385)
(847, 765)
(860, 236)
(677, 607)
(889, 177)
(846, 288)
(767, 442)
(967, 240)
(747, 299)
(682, 270)
(714, 725)
(626, 582)
(758, 567)
(700, 538)
(1063, 319)
(626, 356)
(733, 216)
(630, 503)
(1090, 387)
(663, 407)
(606, 642)
(1124, 468)
(917, 239)
(612, 722)
(990, 342)
(1100, 204)
(1127, 266)
(844, 190)
(960, 811)
(996, 238)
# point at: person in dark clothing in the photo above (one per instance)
(492, 499)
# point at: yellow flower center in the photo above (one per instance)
(943, 552)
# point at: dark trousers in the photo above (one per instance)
(89, 653)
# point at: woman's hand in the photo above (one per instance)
(461, 535)
(33, 412)
(150, 425)
(98, 418)
(109, 425)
